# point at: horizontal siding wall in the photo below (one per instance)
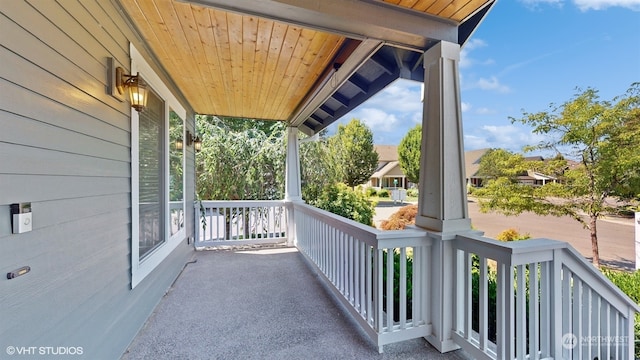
(65, 146)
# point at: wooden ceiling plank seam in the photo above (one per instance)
(275, 46)
(291, 87)
(305, 76)
(407, 3)
(265, 28)
(321, 59)
(453, 7)
(203, 22)
(286, 54)
(289, 42)
(188, 83)
(235, 47)
(141, 21)
(469, 9)
(321, 51)
(220, 31)
(164, 43)
(422, 5)
(147, 13)
(275, 42)
(249, 43)
(438, 6)
(190, 28)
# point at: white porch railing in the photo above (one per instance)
(358, 263)
(549, 303)
(240, 222)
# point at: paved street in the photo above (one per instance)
(615, 235)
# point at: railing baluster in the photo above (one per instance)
(403, 287)
(389, 289)
(378, 289)
(534, 312)
(566, 309)
(483, 302)
(545, 311)
(521, 313)
(370, 289)
(468, 298)
(576, 316)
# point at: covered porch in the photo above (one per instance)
(258, 302)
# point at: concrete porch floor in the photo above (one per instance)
(259, 303)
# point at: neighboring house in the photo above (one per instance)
(472, 165)
(388, 174)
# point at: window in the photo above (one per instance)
(157, 181)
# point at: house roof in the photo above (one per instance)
(472, 161)
(386, 153)
(306, 62)
(384, 170)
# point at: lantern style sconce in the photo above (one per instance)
(191, 139)
(119, 82)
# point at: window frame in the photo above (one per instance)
(140, 268)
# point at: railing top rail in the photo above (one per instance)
(238, 203)
(370, 235)
(542, 250)
(594, 278)
(510, 253)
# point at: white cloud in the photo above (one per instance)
(378, 120)
(585, 5)
(485, 111)
(465, 106)
(508, 137)
(535, 4)
(491, 84)
(465, 60)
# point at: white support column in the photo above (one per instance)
(443, 197)
(293, 192)
(442, 203)
(292, 180)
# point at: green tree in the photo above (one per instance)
(409, 154)
(354, 152)
(342, 200)
(240, 162)
(318, 168)
(602, 136)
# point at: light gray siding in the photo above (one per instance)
(65, 146)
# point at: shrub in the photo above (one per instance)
(629, 283)
(512, 235)
(371, 192)
(383, 193)
(400, 219)
(344, 201)
(412, 192)
(396, 284)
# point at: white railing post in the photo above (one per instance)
(442, 272)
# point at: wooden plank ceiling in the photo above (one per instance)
(453, 10)
(242, 65)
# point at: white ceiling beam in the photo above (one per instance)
(364, 19)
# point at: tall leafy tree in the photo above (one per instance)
(409, 153)
(318, 168)
(354, 152)
(240, 161)
(603, 137)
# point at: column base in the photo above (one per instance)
(444, 226)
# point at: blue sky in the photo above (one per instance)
(524, 56)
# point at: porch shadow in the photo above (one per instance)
(261, 303)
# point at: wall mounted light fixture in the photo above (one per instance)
(190, 139)
(119, 82)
